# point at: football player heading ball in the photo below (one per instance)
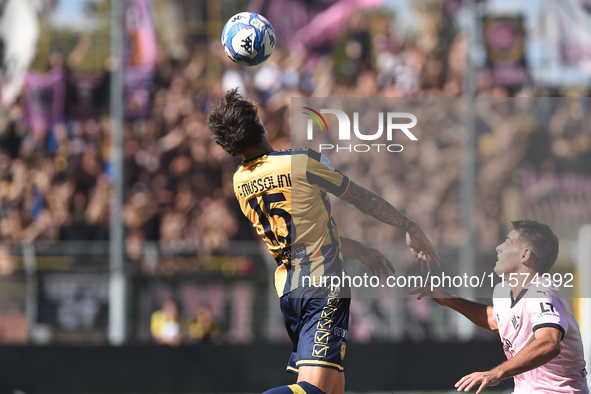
(292, 213)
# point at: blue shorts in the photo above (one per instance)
(317, 328)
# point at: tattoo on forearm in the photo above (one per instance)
(372, 204)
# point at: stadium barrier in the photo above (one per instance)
(57, 293)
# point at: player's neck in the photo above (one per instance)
(522, 282)
(264, 147)
(516, 290)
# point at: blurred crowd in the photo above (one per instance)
(533, 155)
(55, 185)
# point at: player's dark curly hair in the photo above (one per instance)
(235, 124)
(541, 239)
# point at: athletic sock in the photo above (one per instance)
(279, 390)
(299, 388)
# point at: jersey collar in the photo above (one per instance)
(256, 157)
(519, 296)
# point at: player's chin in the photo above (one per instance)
(498, 269)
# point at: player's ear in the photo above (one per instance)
(527, 257)
(262, 124)
(260, 120)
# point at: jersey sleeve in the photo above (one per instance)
(547, 311)
(321, 172)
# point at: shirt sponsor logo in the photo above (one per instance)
(341, 332)
(324, 160)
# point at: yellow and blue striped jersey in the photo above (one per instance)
(284, 195)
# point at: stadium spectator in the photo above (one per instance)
(165, 327)
(13, 324)
(204, 329)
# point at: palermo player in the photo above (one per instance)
(540, 335)
(284, 195)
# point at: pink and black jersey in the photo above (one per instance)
(539, 306)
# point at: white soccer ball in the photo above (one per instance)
(248, 39)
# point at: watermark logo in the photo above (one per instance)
(391, 119)
(310, 131)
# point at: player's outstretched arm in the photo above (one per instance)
(544, 348)
(374, 205)
(370, 257)
(479, 314)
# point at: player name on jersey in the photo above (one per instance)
(265, 183)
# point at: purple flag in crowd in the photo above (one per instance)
(300, 23)
(573, 18)
(138, 83)
(141, 47)
(504, 39)
(84, 97)
(141, 56)
(44, 99)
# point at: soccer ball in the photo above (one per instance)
(248, 39)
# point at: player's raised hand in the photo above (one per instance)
(484, 379)
(421, 247)
(376, 262)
